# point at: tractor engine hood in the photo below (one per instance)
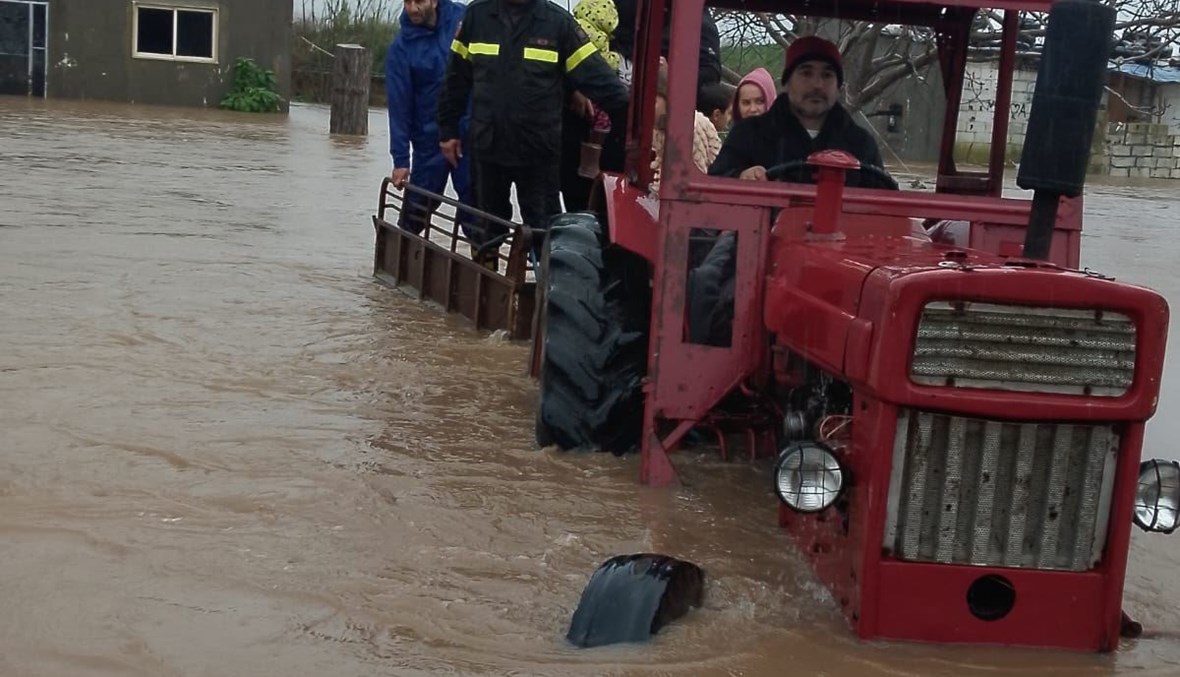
(814, 288)
(854, 307)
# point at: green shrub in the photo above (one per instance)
(254, 89)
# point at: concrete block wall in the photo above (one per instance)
(1142, 150)
(1131, 150)
(1169, 100)
(977, 109)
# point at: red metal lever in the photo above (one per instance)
(829, 192)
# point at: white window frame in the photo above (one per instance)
(136, 6)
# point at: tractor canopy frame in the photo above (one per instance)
(686, 380)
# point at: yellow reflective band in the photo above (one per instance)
(546, 55)
(459, 48)
(485, 48)
(579, 56)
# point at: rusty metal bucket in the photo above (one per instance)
(432, 265)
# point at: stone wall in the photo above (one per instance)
(1141, 150)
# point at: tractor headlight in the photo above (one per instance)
(807, 477)
(1157, 501)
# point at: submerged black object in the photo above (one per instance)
(630, 597)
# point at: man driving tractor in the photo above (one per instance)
(808, 119)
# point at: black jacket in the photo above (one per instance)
(709, 62)
(778, 136)
(517, 79)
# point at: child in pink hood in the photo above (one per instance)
(753, 95)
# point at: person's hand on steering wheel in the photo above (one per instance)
(755, 173)
(871, 176)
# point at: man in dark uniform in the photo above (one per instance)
(517, 59)
(808, 118)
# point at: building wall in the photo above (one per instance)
(918, 133)
(1133, 94)
(973, 135)
(1124, 146)
(1169, 98)
(1142, 150)
(91, 51)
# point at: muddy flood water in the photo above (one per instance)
(224, 450)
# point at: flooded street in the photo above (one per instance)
(224, 450)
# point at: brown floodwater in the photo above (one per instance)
(225, 451)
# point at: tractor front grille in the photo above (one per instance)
(972, 491)
(1024, 348)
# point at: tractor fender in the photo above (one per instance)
(631, 597)
(631, 215)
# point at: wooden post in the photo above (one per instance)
(350, 90)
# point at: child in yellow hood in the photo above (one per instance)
(600, 18)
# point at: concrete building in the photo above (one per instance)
(973, 136)
(1145, 93)
(176, 52)
(908, 118)
(1139, 124)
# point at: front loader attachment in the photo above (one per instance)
(495, 293)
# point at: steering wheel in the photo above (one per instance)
(882, 179)
(795, 168)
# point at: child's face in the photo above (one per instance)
(721, 119)
(751, 101)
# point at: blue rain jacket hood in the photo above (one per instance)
(415, 67)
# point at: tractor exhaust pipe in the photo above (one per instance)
(1064, 112)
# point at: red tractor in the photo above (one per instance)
(957, 423)
(954, 410)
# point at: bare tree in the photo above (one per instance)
(878, 56)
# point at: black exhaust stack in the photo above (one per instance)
(1064, 111)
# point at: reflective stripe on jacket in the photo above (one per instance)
(519, 75)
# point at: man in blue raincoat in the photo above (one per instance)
(415, 67)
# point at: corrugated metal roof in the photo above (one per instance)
(1160, 74)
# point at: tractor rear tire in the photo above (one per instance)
(595, 314)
